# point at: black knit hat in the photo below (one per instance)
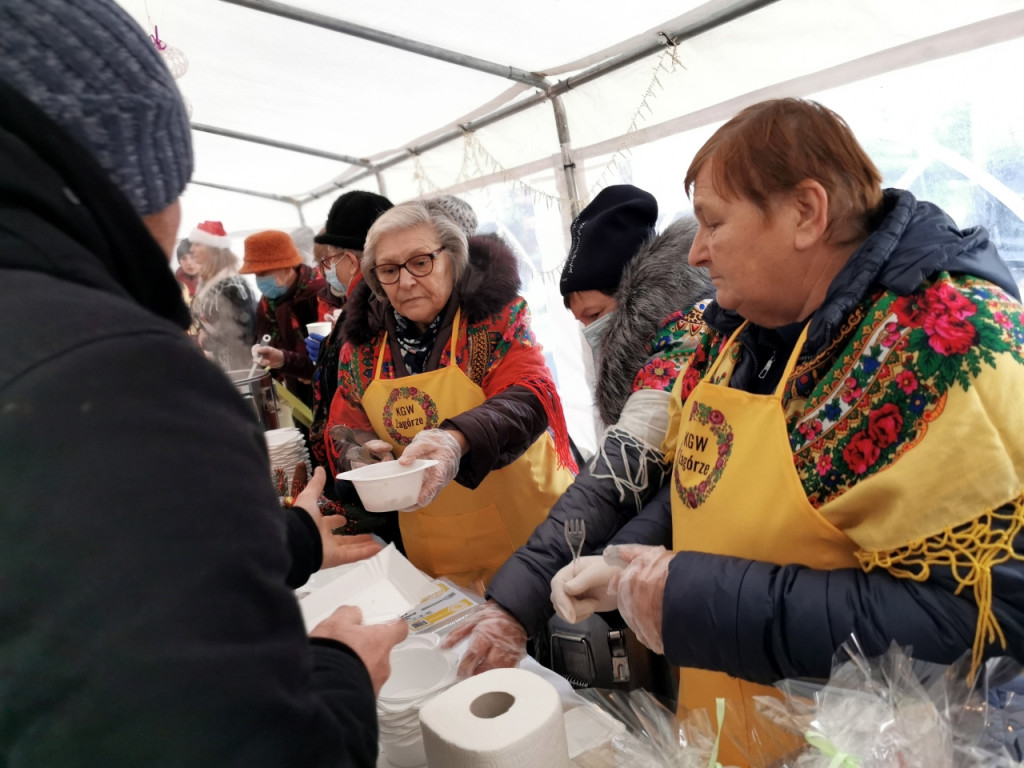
(605, 236)
(350, 219)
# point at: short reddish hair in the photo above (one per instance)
(769, 148)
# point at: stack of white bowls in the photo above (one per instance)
(287, 448)
(419, 671)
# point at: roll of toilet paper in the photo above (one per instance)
(504, 718)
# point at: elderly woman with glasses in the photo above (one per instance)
(439, 362)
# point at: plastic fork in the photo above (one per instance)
(575, 535)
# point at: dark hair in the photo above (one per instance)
(184, 246)
(769, 148)
(605, 291)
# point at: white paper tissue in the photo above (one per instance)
(504, 718)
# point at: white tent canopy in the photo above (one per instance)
(257, 73)
(527, 109)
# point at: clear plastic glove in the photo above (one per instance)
(582, 588)
(640, 588)
(337, 549)
(270, 356)
(372, 643)
(496, 640)
(442, 446)
(313, 345)
(378, 450)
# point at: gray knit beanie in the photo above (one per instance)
(460, 212)
(89, 66)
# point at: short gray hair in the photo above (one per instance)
(407, 216)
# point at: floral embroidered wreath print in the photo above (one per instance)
(422, 399)
(714, 420)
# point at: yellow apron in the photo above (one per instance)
(735, 491)
(463, 534)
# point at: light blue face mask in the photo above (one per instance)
(269, 287)
(594, 333)
(336, 285)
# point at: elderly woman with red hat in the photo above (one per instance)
(290, 299)
(224, 305)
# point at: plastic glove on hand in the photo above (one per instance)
(442, 446)
(264, 355)
(313, 346)
(496, 640)
(582, 588)
(640, 588)
(370, 452)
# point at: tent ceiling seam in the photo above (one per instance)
(664, 39)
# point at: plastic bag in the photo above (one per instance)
(652, 737)
(895, 711)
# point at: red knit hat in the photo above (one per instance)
(212, 234)
(268, 250)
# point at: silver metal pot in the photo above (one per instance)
(258, 391)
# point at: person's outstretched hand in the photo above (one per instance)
(338, 549)
(581, 588)
(313, 342)
(496, 640)
(442, 446)
(640, 589)
(372, 643)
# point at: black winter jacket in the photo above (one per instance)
(656, 283)
(765, 622)
(145, 617)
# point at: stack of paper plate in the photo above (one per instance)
(287, 448)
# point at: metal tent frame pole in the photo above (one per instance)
(670, 38)
(361, 162)
(545, 91)
(393, 41)
(250, 192)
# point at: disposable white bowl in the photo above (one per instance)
(416, 672)
(405, 753)
(388, 485)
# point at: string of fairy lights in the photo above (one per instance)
(478, 161)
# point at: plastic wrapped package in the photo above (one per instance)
(648, 735)
(895, 711)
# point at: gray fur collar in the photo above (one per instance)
(656, 282)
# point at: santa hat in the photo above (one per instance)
(212, 234)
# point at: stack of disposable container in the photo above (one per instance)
(420, 670)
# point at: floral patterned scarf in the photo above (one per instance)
(416, 347)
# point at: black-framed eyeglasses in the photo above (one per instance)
(328, 264)
(418, 266)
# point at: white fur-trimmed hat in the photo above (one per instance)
(210, 233)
